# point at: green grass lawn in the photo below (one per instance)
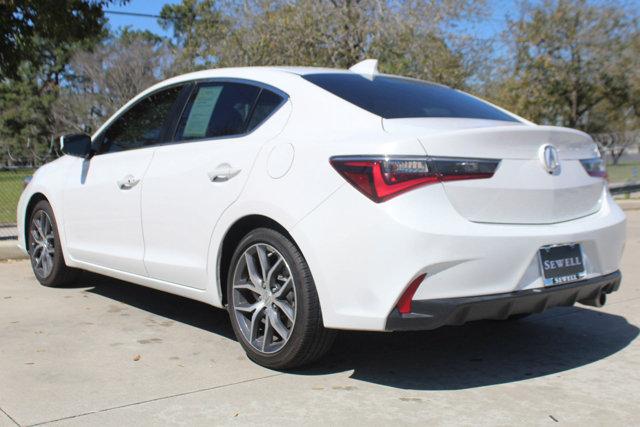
(622, 172)
(10, 190)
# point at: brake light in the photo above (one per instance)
(595, 167)
(381, 178)
(404, 303)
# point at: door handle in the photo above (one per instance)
(128, 182)
(223, 172)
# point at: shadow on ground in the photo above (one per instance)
(452, 358)
(183, 310)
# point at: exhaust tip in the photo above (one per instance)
(602, 299)
(598, 301)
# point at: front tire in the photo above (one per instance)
(273, 303)
(45, 250)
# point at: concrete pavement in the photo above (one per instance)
(110, 353)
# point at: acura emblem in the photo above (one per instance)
(549, 159)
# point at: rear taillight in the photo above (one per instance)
(595, 167)
(381, 178)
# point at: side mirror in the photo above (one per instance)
(78, 145)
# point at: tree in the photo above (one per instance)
(409, 37)
(36, 31)
(38, 40)
(105, 78)
(572, 64)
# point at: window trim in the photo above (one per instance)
(200, 82)
(170, 127)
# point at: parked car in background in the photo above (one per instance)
(307, 200)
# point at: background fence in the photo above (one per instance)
(621, 151)
(11, 185)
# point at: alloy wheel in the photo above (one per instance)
(42, 244)
(264, 298)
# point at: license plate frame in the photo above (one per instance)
(571, 259)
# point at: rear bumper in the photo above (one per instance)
(431, 314)
(363, 255)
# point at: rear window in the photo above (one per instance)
(397, 97)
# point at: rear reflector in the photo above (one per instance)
(404, 303)
(595, 167)
(381, 178)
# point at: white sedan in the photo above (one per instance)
(306, 200)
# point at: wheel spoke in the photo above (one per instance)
(286, 309)
(252, 269)
(38, 260)
(39, 230)
(255, 325)
(35, 236)
(46, 228)
(247, 286)
(284, 289)
(248, 308)
(37, 252)
(42, 225)
(278, 325)
(46, 263)
(273, 269)
(268, 333)
(264, 262)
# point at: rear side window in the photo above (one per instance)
(396, 97)
(142, 124)
(267, 103)
(225, 109)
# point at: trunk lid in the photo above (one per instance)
(521, 191)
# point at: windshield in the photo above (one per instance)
(396, 97)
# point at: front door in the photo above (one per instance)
(102, 195)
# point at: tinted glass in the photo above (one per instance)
(142, 124)
(217, 109)
(396, 97)
(267, 103)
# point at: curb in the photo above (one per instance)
(628, 205)
(9, 250)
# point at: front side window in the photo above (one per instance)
(142, 124)
(225, 109)
(396, 97)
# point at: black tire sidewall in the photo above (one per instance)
(303, 287)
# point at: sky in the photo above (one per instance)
(489, 28)
(150, 7)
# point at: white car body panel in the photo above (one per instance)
(167, 232)
(102, 221)
(178, 185)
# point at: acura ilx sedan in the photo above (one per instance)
(308, 200)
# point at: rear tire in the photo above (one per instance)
(273, 303)
(45, 250)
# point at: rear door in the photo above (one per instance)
(102, 195)
(195, 177)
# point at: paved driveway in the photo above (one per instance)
(110, 353)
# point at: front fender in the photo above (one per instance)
(48, 181)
